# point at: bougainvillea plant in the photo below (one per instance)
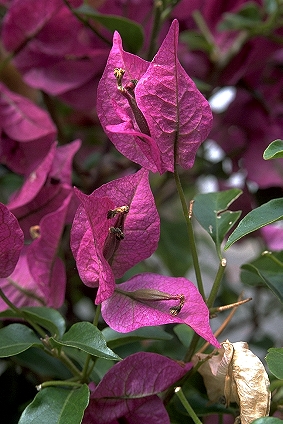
(134, 134)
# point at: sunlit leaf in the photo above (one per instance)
(210, 209)
(87, 337)
(265, 271)
(274, 359)
(274, 150)
(265, 214)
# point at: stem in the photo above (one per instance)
(192, 347)
(85, 371)
(85, 21)
(57, 383)
(51, 107)
(155, 29)
(272, 257)
(190, 232)
(187, 406)
(69, 364)
(204, 29)
(97, 315)
(216, 284)
(22, 314)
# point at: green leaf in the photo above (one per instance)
(270, 6)
(15, 338)
(184, 334)
(267, 420)
(210, 209)
(267, 269)
(274, 150)
(41, 363)
(174, 233)
(248, 17)
(57, 406)
(265, 214)
(195, 41)
(115, 339)
(85, 336)
(48, 318)
(130, 31)
(274, 360)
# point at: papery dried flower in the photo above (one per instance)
(237, 374)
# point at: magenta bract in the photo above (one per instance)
(11, 241)
(39, 278)
(62, 56)
(124, 313)
(94, 235)
(24, 126)
(160, 92)
(130, 387)
(46, 187)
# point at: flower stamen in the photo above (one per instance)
(128, 92)
(121, 209)
(175, 310)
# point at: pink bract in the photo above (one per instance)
(178, 116)
(24, 127)
(124, 313)
(11, 241)
(129, 389)
(39, 278)
(91, 228)
(46, 187)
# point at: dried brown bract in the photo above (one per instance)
(239, 376)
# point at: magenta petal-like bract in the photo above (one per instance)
(11, 241)
(176, 112)
(115, 113)
(39, 277)
(45, 267)
(26, 132)
(91, 229)
(130, 386)
(123, 313)
(25, 19)
(178, 117)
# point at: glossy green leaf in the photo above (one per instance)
(267, 420)
(57, 406)
(48, 318)
(263, 215)
(265, 270)
(274, 360)
(115, 339)
(130, 31)
(210, 209)
(274, 150)
(15, 338)
(85, 336)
